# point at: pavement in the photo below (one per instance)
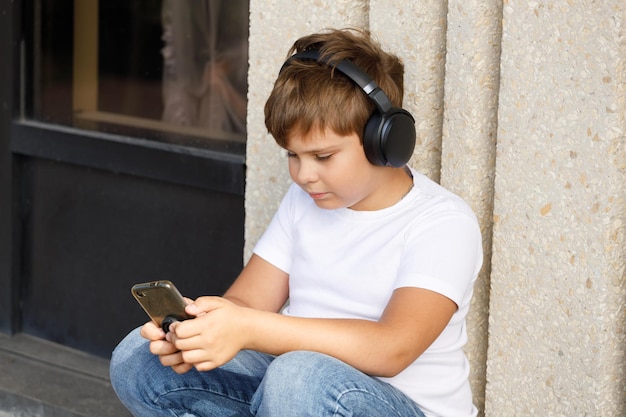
(39, 378)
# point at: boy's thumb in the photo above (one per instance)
(203, 305)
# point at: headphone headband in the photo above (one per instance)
(350, 70)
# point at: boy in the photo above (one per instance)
(377, 263)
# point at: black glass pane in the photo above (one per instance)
(171, 70)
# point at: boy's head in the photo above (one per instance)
(312, 94)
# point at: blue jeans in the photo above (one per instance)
(252, 384)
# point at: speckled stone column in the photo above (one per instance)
(469, 144)
(416, 31)
(556, 328)
(274, 26)
(556, 314)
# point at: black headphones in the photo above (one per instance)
(389, 134)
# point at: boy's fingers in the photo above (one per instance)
(182, 368)
(162, 347)
(173, 359)
(204, 305)
(150, 331)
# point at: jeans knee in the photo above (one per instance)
(314, 384)
(295, 381)
(298, 369)
(128, 361)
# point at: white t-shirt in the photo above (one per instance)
(346, 264)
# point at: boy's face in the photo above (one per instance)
(334, 170)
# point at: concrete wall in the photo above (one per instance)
(521, 109)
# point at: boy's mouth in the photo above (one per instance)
(317, 196)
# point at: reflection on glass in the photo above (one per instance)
(205, 64)
(164, 70)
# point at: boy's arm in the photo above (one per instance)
(412, 320)
(260, 286)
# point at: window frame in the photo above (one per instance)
(221, 168)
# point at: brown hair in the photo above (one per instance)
(309, 95)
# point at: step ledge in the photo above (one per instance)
(16, 405)
(41, 378)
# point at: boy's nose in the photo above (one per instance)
(307, 172)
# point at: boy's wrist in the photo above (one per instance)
(249, 327)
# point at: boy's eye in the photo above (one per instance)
(321, 158)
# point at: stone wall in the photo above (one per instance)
(520, 109)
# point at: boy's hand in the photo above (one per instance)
(214, 337)
(167, 352)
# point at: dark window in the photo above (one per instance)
(171, 70)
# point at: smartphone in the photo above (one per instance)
(162, 301)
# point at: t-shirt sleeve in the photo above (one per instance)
(444, 257)
(276, 244)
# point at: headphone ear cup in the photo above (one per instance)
(389, 139)
(371, 140)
